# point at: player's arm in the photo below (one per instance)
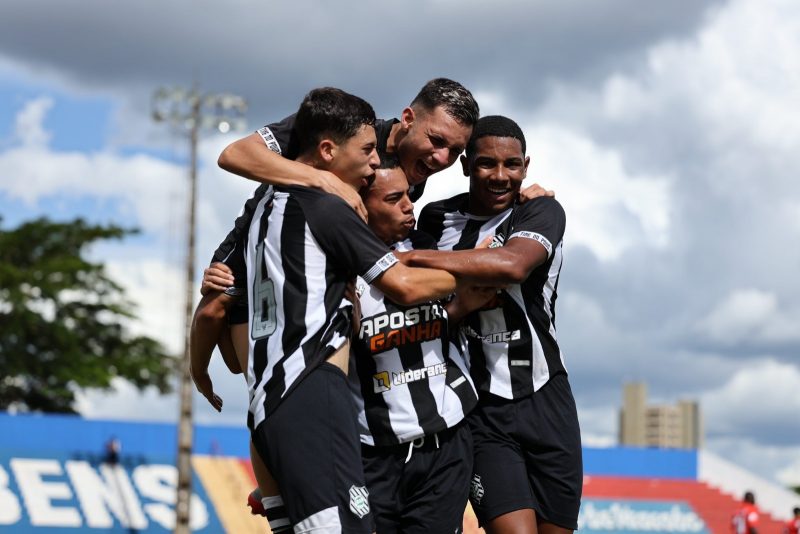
(411, 285)
(250, 158)
(216, 277)
(208, 325)
(509, 264)
(467, 299)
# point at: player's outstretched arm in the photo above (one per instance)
(207, 327)
(509, 264)
(409, 285)
(251, 158)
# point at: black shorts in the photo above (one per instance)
(426, 494)
(528, 455)
(310, 444)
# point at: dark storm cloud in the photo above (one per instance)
(273, 53)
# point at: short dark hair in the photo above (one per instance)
(388, 161)
(796, 510)
(331, 113)
(456, 100)
(749, 497)
(494, 126)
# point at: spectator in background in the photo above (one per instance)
(793, 525)
(113, 448)
(745, 520)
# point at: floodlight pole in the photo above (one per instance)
(185, 427)
(189, 112)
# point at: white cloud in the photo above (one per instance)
(28, 128)
(790, 475)
(141, 183)
(158, 291)
(750, 315)
(609, 208)
(763, 394)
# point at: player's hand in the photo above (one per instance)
(351, 294)
(330, 183)
(216, 277)
(534, 191)
(472, 297)
(203, 383)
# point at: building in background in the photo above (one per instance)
(667, 426)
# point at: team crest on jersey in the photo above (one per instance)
(476, 488)
(497, 241)
(359, 501)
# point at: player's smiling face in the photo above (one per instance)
(433, 142)
(496, 171)
(355, 160)
(391, 213)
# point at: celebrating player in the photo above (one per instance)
(528, 468)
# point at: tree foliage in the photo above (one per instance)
(63, 320)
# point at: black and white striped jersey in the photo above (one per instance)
(513, 349)
(302, 249)
(231, 251)
(277, 137)
(408, 378)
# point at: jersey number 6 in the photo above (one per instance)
(264, 323)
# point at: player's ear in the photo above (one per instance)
(465, 165)
(326, 149)
(407, 118)
(525, 169)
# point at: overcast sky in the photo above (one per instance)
(669, 130)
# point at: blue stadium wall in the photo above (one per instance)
(53, 477)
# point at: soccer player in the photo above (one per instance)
(303, 246)
(411, 385)
(528, 467)
(792, 526)
(745, 519)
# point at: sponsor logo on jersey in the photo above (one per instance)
(476, 488)
(391, 330)
(381, 382)
(494, 337)
(359, 500)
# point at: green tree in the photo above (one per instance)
(63, 320)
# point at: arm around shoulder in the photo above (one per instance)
(250, 158)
